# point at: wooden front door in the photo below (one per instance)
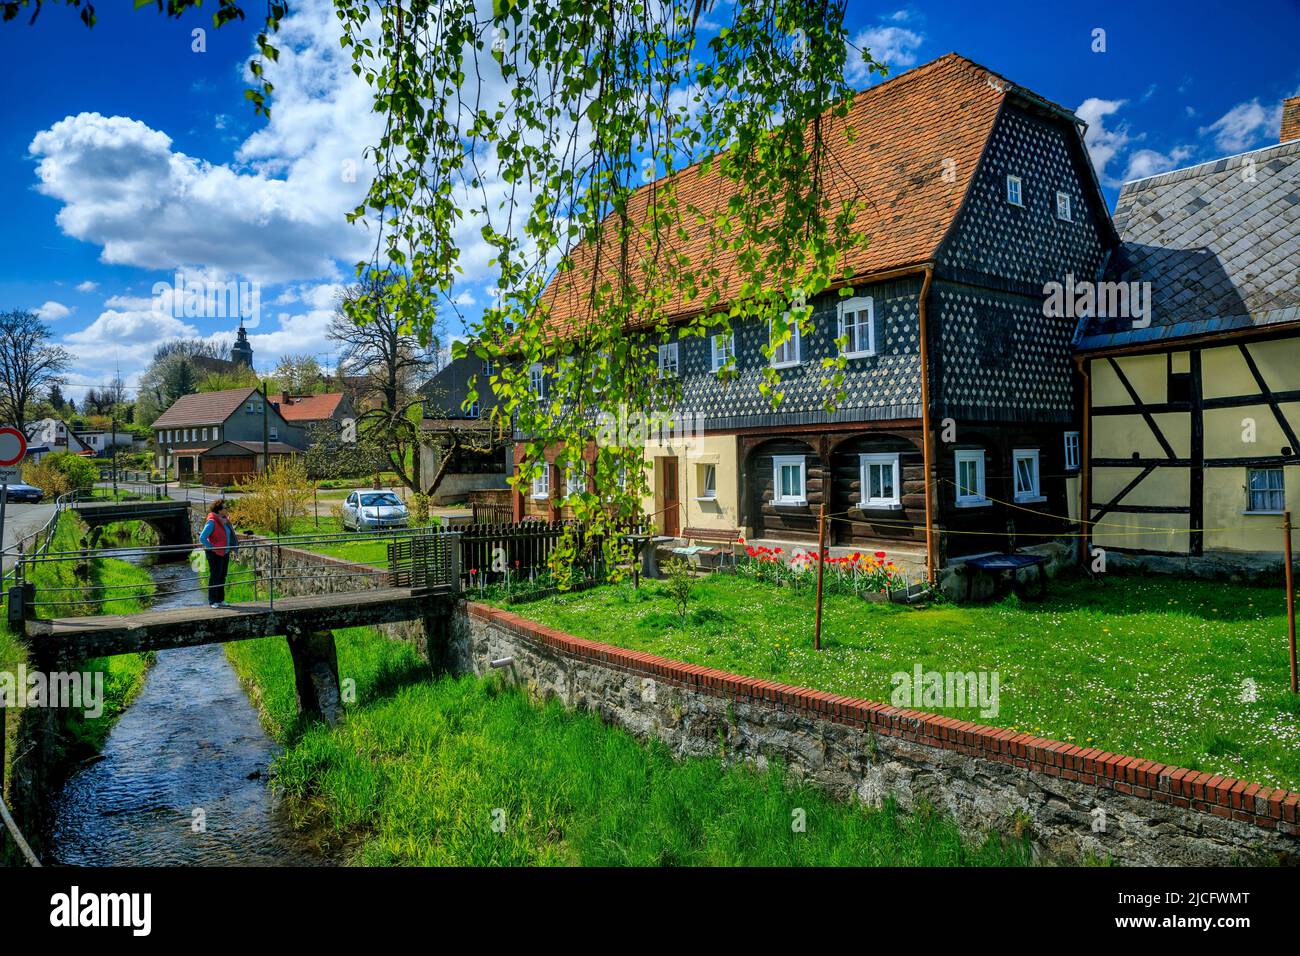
(671, 506)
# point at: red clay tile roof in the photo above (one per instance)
(204, 408)
(906, 129)
(310, 408)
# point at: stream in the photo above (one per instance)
(189, 748)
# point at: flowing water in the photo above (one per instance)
(188, 749)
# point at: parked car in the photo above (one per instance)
(22, 492)
(374, 510)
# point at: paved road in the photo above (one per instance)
(20, 521)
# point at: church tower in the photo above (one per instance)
(241, 353)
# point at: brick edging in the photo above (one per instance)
(1227, 797)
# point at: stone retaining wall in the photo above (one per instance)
(1073, 802)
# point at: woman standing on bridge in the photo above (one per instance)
(218, 539)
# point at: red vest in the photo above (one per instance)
(218, 536)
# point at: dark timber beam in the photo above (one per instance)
(65, 641)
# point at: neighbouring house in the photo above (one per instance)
(102, 441)
(313, 411)
(459, 451)
(46, 436)
(960, 424)
(218, 436)
(1193, 410)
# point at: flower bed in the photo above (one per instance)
(857, 573)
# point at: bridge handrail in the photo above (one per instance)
(17, 834)
(100, 594)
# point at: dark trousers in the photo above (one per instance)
(217, 566)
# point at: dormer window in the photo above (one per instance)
(1014, 194)
(1063, 207)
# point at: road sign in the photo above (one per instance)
(13, 446)
(10, 475)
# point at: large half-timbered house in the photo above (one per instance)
(959, 421)
(1193, 438)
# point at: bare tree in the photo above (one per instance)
(29, 364)
(390, 363)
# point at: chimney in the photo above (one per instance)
(1290, 119)
(284, 398)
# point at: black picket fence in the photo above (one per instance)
(521, 550)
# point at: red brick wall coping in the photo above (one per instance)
(1226, 797)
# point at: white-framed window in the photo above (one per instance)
(1024, 466)
(724, 349)
(1071, 451)
(787, 353)
(542, 483)
(473, 410)
(216, 433)
(668, 359)
(1265, 491)
(272, 433)
(708, 482)
(1063, 207)
(248, 408)
(203, 434)
(575, 481)
(857, 325)
(881, 481)
(1014, 193)
(788, 473)
(970, 477)
(537, 380)
(489, 368)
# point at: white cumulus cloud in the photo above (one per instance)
(1244, 125)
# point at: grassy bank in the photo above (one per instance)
(123, 674)
(1185, 672)
(421, 771)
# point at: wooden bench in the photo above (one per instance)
(729, 537)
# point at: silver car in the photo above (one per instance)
(374, 510)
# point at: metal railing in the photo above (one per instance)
(256, 561)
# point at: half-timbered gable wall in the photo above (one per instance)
(1195, 409)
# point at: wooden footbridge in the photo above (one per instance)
(419, 583)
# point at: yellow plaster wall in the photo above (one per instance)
(1118, 436)
(1148, 374)
(1225, 506)
(721, 451)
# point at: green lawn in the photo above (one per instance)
(362, 547)
(124, 674)
(1155, 668)
(421, 770)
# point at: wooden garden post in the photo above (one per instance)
(821, 567)
(1290, 596)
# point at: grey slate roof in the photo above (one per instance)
(1219, 243)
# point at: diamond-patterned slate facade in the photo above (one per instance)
(884, 386)
(1027, 246)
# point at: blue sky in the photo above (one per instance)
(127, 154)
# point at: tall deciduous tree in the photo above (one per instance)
(30, 364)
(298, 374)
(570, 138)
